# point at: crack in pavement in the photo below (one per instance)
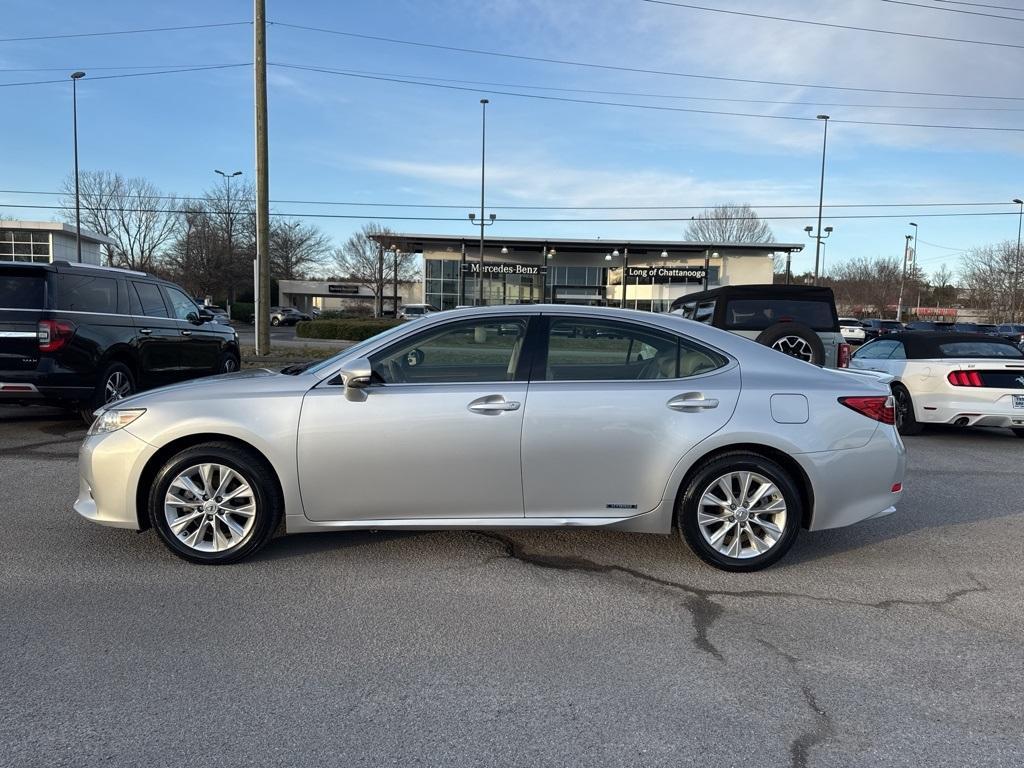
(801, 745)
(698, 601)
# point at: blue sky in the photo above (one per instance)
(349, 139)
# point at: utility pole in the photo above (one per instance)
(75, 77)
(394, 279)
(821, 196)
(380, 279)
(262, 291)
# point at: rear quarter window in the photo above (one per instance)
(87, 293)
(22, 291)
(759, 314)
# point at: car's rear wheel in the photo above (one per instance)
(229, 363)
(740, 512)
(115, 383)
(906, 421)
(275, 321)
(215, 503)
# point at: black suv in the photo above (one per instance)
(798, 320)
(81, 336)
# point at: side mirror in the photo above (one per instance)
(203, 317)
(357, 374)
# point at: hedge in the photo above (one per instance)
(348, 330)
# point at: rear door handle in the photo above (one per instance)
(492, 404)
(186, 333)
(145, 331)
(691, 402)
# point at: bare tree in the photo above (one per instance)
(990, 278)
(864, 285)
(296, 249)
(728, 223)
(131, 211)
(942, 289)
(362, 258)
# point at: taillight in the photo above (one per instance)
(878, 407)
(965, 379)
(53, 335)
(844, 356)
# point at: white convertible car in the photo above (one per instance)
(964, 379)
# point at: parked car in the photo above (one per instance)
(984, 328)
(950, 378)
(735, 445)
(1012, 332)
(81, 336)
(220, 315)
(852, 330)
(414, 311)
(797, 320)
(875, 327)
(286, 316)
(928, 325)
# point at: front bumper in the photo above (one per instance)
(855, 484)
(109, 467)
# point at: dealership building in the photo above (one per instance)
(637, 274)
(43, 242)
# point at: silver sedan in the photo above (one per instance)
(506, 417)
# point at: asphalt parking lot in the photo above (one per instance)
(895, 642)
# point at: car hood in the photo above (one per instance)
(237, 384)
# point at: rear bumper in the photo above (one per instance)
(38, 386)
(855, 484)
(978, 414)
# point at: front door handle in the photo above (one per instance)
(691, 402)
(186, 333)
(145, 331)
(492, 404)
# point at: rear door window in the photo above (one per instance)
(87, 293)
(151, 300)
(22, 291)
(758, 314)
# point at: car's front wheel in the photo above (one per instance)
(906, 421)
(740, 512)
(215, 503)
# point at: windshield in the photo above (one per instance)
(356, 348)
(758, 314)
(979, 349)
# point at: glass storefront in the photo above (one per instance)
(558, 284)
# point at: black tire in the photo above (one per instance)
(275, 321)
(116, 382)
(796, 340)
(252, 468)
(906, 421)
(1017, 431)
(701, 482)
(229, 363)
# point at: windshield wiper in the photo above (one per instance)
(297, 368)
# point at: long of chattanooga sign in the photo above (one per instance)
(496, 268)
(664, 274)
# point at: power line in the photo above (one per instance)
(649, 95)
(123, 32)
(620, 220)
(96, 69)
(981, 5)
(635, 70)
(953, 10)
(131, 74)
(654, 107)
(690, 207)
(830, 25)
(945, 247)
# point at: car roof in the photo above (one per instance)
(925, 344)
(772, 291)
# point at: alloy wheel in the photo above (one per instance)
(210, 508)
(794, 346)
(742, 514)
(118, 386)
(229, 365)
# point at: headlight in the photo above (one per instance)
(113, 420)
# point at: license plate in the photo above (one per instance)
(1018, 401)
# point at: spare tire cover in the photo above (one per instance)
(796, 340)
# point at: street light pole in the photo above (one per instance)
(821, 196)
(231, 223)
(483, 168)
(914, 270)
(1016, 264)
(903, 278)
(75, 77)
